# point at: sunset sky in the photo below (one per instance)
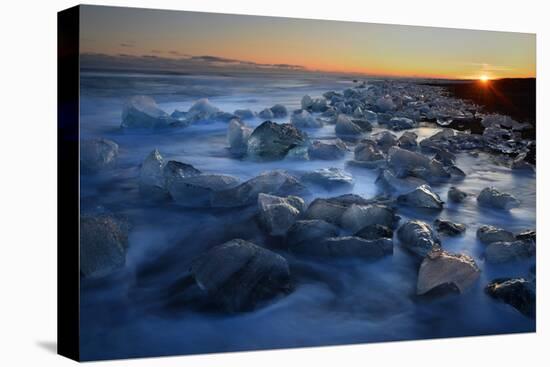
(372, 49)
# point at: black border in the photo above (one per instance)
(68, 263)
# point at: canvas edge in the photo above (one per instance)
(68, 262)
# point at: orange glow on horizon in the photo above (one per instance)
(368, 49)
(345, 67)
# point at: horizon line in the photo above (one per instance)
(252, 66)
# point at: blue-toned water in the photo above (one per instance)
(134, 312)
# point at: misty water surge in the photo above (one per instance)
(136, 310)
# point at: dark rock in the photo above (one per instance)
(455, 195)
(374, 231)
(440, 268)
(277, 213)
(350, 199)
(238, 275)
(313, 230)
(327, 151)
(327, 210)
(273, 141)
(331, 209)
(358, 247)
(404, 162)
(362, 123)
(388, 181)
(466, 141)
(438, 142)
(331, 94)
(472, 124)
(488, 234)
(450, 140)
(347, 247)
(358, 216)
(456, 172)
(385, 103)
(520, 162)
(319, 105)
(400, 123)
(421, 197)
(103, 244)
(408, 140)
(491, 197)
(346, 128)
(367, 151)
(445, 157)
(383, 118)
(503, 140)
(518, 293)
(330, 113)
(502, 252)
(384, 140)
(277, 183)
(418, 237)
(174, 170)
(367, 164)
(328, 178)
(197, 191)
(449, 228)
(531, 156)
(501, 121)
(306, 102)
(527, 235)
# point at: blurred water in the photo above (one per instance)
(131, 313)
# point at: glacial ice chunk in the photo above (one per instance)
(304, 119)
(151, 176)
(143, 112)
(266, 114)
(277, 214)
(421, 197)
(279, 111)
(385, 104)
(244, 114)
(237, 137)
(97, 154)
(103, 244)
(203, 106)
(345, 127)
(271, 141)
